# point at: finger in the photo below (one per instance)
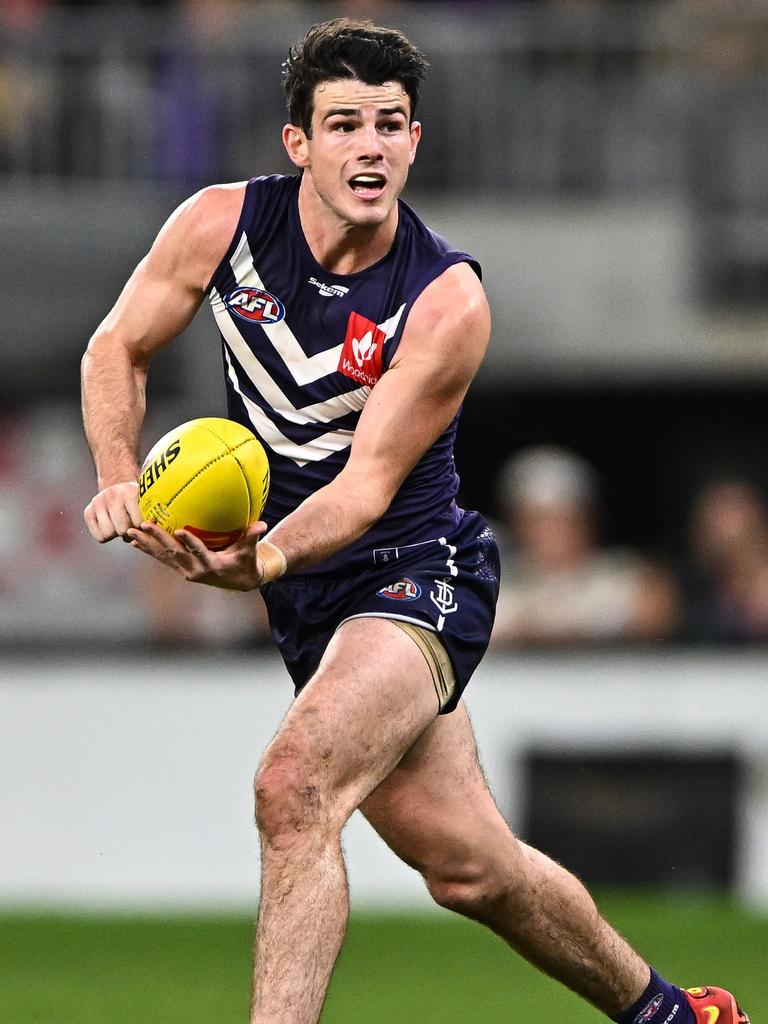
(121, 519)
(194, 545)
(89, 515)
(158, 534)
(113, 511)
(132, 505)
(175, 558)
(105, 526)
(146, 543)
(152, 538)
(173, 550)
(253, 532)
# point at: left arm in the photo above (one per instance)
(445, 338)
(444, 341)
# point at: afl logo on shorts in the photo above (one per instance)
(403, 590)
(255, 305)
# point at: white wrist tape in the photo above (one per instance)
(273, 562)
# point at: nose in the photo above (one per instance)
(369, 144)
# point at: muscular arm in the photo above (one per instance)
(444, 342)
(158, 302)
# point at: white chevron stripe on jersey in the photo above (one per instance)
(320, 412)
(316, 450)
(388, 327)
(304, 369)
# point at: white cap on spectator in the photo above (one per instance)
(547, 476)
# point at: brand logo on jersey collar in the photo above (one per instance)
(330, 291)
(403, 590)
(361, 354)
(255, 304)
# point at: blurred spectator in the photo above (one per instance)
(57, 586)
(189, 110)
(558, 586)
(726, 579)
(210, 102)
(23, 14)
(182, 616)
(25, 83)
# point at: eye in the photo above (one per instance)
(344, 127)
(391, 127)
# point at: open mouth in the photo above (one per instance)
(368, 186)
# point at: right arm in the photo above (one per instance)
(158, 302)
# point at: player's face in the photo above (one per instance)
(361, 148)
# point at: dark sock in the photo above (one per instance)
(661, 1003)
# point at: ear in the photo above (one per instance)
(295, 142)
(415, 132)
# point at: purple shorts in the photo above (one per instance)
(448, 585)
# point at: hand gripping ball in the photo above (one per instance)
(209, 476)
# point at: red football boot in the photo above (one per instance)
(715, 1006)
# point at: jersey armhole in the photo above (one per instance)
(451, 260)
(246, 213)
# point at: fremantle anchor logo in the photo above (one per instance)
(444, 600)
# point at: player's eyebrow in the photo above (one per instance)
(355, 112)
(341, 112)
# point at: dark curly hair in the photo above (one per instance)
(348, 48)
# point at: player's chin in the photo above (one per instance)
(369, 214)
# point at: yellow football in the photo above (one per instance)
(209, 476)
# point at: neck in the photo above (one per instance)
(339, 247)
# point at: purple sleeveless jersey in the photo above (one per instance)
(302, 349)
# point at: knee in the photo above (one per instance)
(288, 798)
(470, 888)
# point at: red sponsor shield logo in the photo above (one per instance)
(361, 354)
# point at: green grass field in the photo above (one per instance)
(435, 969)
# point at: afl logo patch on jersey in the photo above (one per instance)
(403, 590)
(255, 305)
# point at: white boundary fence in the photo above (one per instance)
(129, 785)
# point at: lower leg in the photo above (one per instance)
(446, 824)
(370, 699)
(548, 916)
(304, 907)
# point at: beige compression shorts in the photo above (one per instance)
(436, 656)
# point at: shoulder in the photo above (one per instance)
(450, 323)
(452, 303)
(204, 226)
(214, 206)
(195, 237)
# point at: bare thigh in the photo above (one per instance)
(435, 810)
(370, 699)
